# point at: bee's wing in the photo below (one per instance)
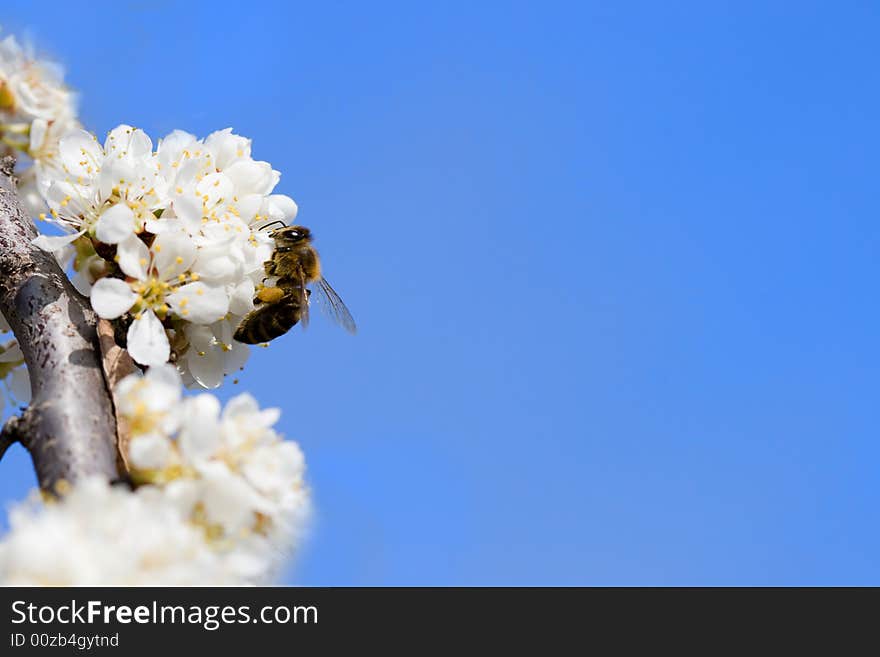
(304, 307)
(303, 295)
(333, 307)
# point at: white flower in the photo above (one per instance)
(43, 150)
(228, 469)
(216, 181)
(212, 353)
(150, 402)
(162, 285)
(102, 535)
(36, 110)
(179, 233)
(109, 191)
(221, 499)
(30, 88)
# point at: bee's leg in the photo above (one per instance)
(269, 295)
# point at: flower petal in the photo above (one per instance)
(227, 497)
(206, 367)
(171, 147)
(147, 341)
(235, 358)
(128, 142)
(115, 224)
(199, 303)
(133, 257)
(166, 375)
(150, 451)
(111, 297)
(241, 298)
(52, 243)
(200, 432)
(80, 151)
(227, 147)
(173, 253)
(282, 207)
(250, 177)
(189, 210)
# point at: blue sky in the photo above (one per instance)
(614, 267)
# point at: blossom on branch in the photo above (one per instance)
(36, 110)
(220, 499)
(98, 534)
(168, 241)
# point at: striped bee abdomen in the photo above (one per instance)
(269, 322)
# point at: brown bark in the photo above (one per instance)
(69, 427)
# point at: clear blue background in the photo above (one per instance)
(614, 265)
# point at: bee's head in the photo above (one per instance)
(290, 235)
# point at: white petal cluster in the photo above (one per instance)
(169, 239)
(36, 110)
(220, 499)
(102, 535)
(226, 469)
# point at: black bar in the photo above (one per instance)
(558, 621)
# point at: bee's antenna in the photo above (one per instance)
(272, 223)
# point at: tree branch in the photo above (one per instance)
(69, 427)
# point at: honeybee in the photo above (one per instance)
(295, 264)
